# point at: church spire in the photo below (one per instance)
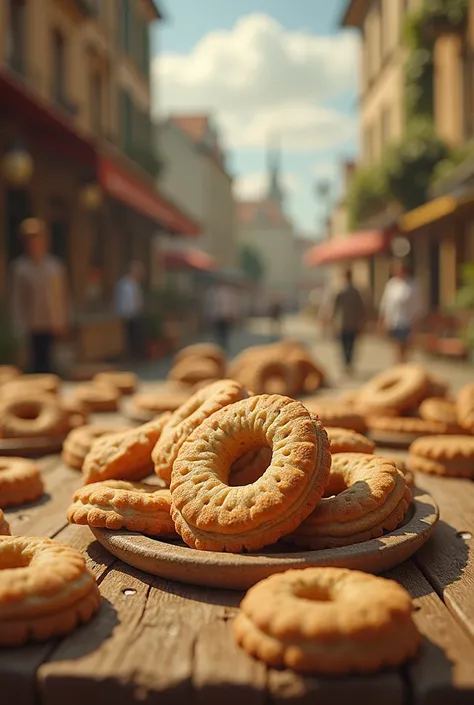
(275, 191)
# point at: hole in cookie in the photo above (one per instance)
(388, 384)
(250, 466)
(465, 535)
(23, 517)
(129, 591)
(317, 593)
(416, 608)
(27, 412)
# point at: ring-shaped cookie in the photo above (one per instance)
(441, 410)
(8, 373)
(4, 525)
(465, 407)
(450, 456)
(47, 383)
(124, 456)
(345, 440)
(208, 351)
(117, 504)
(400, 387)
(79, 441)
(210, 514)
(98, 397)
(328, 621)
(20, 481)
(29, 417)
(185, 419)
(332, 412)
(45, 589)
(125, 382)
(365, 496)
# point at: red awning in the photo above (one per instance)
(47, 124)
(188, 259)
(142, 197)
(356, 246)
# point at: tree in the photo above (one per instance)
(251, 263)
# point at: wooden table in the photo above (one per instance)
(159, 642)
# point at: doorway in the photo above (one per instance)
(17, 208)
(433, 253)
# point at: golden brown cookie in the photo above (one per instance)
(117, 504)
(308, 376)
(193, 370)
(4, 526)
(31, 415)
(124, 456)
(365, 496)
(161, 401)
(344, 440)
(208, 351)
(125, 382)
(8, 373)
(46, 383)
(403, 429)
(79, 442)
(327, 620)
(400, 387)
(209, 514)
(442, 410)
(20, 481)
(465, 407)
(185, 419)
(98, 397)
(45, 590)
(452, 456)
(334, 413)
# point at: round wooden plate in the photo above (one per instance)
(175, 561)
(31, 447)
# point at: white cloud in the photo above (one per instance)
(259, 78)
(253, 186)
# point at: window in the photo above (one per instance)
(59, 66)
(16, 35)
(95, 102)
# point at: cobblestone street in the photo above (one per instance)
(373, 354)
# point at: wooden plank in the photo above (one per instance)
(47, 516)
(447, 560)
(18, 666)
(442, 673)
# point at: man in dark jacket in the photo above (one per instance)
(348, 316)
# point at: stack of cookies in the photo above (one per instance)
(243, 472)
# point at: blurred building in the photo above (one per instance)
(440, 233)
(265, 231)
(195, 177)
(77, 147)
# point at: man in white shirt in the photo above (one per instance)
(129, 305)
(401, 308)
(39, 295)
(222, 307)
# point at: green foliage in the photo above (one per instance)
(444, 15)
(411, 163)
(456, 157)
(419, 69)
(368, 194)
(465, 295)
(251, 263)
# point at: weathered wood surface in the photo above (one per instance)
(155, 641)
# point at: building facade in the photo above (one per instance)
(196, 178)
(265, 230)
(75, 99)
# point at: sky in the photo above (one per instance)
(269, 72)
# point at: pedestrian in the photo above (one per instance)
(401, 308)
(275, 313)
(39, 295)
(223, 311)
(348, 316)
(129, 306)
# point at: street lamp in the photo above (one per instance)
(17, 166)
(91, 197)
